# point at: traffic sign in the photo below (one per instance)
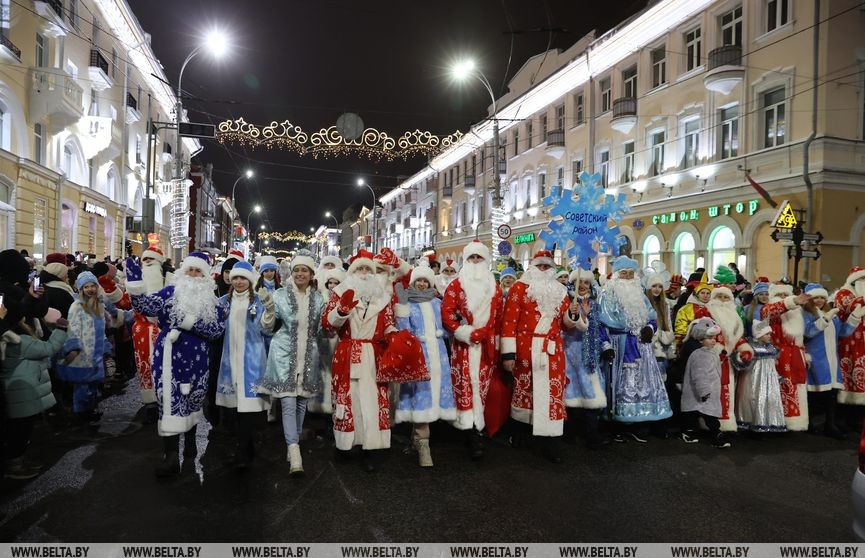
(815, 238)
(785, 218)
(504, 231)
(505, 248)
(781, 235)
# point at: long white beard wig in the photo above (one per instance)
(631, 298)
(478, 284)
(151, 274)
(859, 287)
(366, 287)
(793, 324)
(543, 288)
(194, 296)
(725, 315)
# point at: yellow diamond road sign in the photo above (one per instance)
(785, 218)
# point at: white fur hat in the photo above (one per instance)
(332, 260)
(476, 248)
(780, 289)
(363, 257)
(759, 329)
(155, 253)
(423, 271)
(654, 279)
(579, 274)
(303, 257)
(721, 290)
(326, 275)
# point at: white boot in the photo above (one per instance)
(295, 459)
(424, 457)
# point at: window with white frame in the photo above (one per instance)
(651, 250)
(629, 83)
(579, 109)
(73, 13)
(526, 193)
(722, 247)
(691, 147)
(659, 67)
(41, 51)
(628, 175)
(604, 167)
(777, 14)
(114, 65)
(94, 37)
(516, 142)
(560, 177)
(66, 166)
(693, 49)
(576, 170)
(544, 128)
(731, 27)
(529, 131)
(542, 185)
(656, 143)
(67, 232)
(138, 158)
(774, 117)
(560, 117)
(38, 142)
(686, 257)
(110, 183)
(729, 144)
(40, 212)
(4, 123)
(605, 86)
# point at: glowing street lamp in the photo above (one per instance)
(362, 182)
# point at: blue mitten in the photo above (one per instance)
(133, 270)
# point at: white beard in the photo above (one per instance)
(859, 287)
(793, 324)
(193, 296)
(365, 287)
(151, 274)
(724, 314)
(628, 294)
(543, 288)
(478, 284)
(442, 282)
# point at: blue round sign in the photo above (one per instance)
(505, 248)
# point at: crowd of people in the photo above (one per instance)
(533, 356)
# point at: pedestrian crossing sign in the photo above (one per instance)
(785, 218)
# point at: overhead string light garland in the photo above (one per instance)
(329, 142)
(285, 237)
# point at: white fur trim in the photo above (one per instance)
(335, 319)
(403, 268)
(463, 333)
(115, 295)
(853, 277)
(543, 260)
(853, 321)
(775, 290)
(136, 288)
(155, 255)
(819, 292)
(598, 402)
(196, 263)
(579, 274)
(187, 323)
(821, 324)
(745, 347)
(303, 260)
(423, 272)
(402, 310)
(508, 345)
(790, 302)
(800, 423)
(245, 273)
(359, 262)
(476, 249)
(851, 397)
(716, 291)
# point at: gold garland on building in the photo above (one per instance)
(329, 142)
(285, 237)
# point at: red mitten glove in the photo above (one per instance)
(478, 335)
(347, 303)
(746, 356)
(107, 283)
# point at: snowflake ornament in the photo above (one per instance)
(581, 220)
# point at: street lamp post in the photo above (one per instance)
(331, 215)
(256, 209)
(247, 174)
(362, 182)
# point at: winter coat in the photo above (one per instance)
(87, 336)
(58, 293)
(702, 380)
(24, 373)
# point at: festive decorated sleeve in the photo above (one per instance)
(511, 317)
(388, 317)
(773, 310)
(209, 330)
(331, 321)
(148, 304)
(450, 308)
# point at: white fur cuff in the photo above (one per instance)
(853, 321)
(790, 302)
(745, 347)
(187, 323)
(402, 310)
(136, 288)
(115, 295)
(335, 319)
(821, 324)
(509, 345)
(463, 333)
(174, 335)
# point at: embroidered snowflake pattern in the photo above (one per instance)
(580, 240)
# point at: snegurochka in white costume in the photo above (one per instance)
(293, 365)
(419, 311)
(360, 312)
(189, 316)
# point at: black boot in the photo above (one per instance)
(190, 449)
(476, 444)
(551, 451)
(831, 427)
(367, 462)
(594, 440)
(170, 464)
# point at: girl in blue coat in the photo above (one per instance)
(243, 356)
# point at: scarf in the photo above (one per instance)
(415, 295)
(592, 340)
(62, 285)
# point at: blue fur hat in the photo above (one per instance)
(84, 278)
(507, 272)
(624, 262)
(760, 287)
(244, 269)
(816, 289)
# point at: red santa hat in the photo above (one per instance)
(155, 253)
(543, 257)
(779, 289)
(423, 271)
(403, 360)
(363, 257)
(856, 273)
(387, 258)
(476, 248)
(450, 263)
(236, 254)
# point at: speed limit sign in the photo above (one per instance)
(504, 231)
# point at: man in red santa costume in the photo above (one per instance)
(471, 311)
(532, 349)
(448, 273)
(850, 302)
(145, 329)
(722, 309)
(360, 312)
(784, 313)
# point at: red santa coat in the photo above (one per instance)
(851, 349)
(144, 333)
(472, 364)
(790, 364)
(539, 372)
(361, 412)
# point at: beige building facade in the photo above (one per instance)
(675, 108)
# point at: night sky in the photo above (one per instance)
(310, 61)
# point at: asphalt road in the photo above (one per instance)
(99, 487)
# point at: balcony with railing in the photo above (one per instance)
(555, 143)
(8, 51)
(725, 69)
(55, 94)
(50, 20)
(469, 184)
(98, 71)
(132, 114)
(624, 114)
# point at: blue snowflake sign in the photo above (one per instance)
(585, 221)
